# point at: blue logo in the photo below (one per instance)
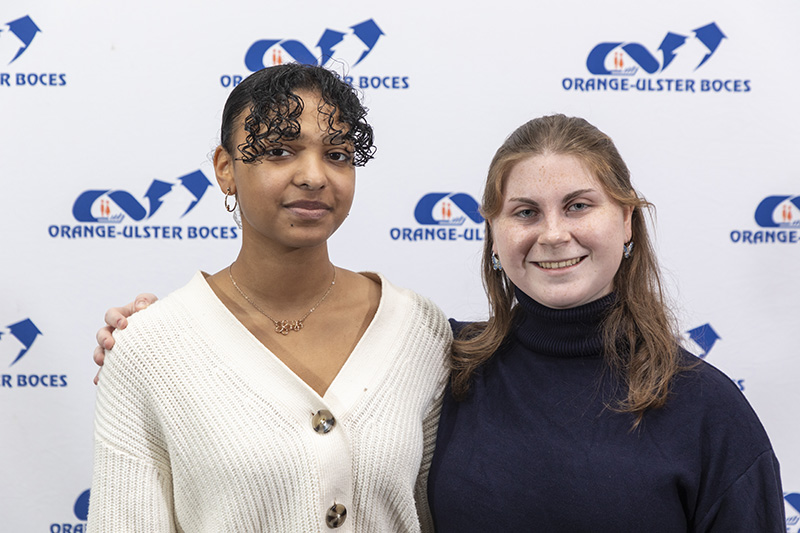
(617, 63)
(81, 510)
(705, 337)
(447, 209)
(792, 512)
(16, 38)
(601, 61)
(347, 48)
(291, 50)
(102, 212)
(444, 214)
(15, 343)
(780, 215)
(778, 212)
(25, 331)
(111, 206)
(24, 29)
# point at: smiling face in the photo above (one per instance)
(299, 191)
(559, 235)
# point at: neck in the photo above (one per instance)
(574, 332)
(287, 279)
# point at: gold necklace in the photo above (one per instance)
(284, 326)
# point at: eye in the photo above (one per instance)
(525, 213)
(578, 206)
(277, 152)
(340, 157)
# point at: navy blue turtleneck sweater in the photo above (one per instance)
(535, 447)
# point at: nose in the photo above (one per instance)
(310, 173)
(555, 231)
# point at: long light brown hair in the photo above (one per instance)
(639, 337)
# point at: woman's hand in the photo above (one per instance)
(117, 318)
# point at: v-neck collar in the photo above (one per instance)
(242, 354)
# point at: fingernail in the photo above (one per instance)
(119, 323)
(140, 304)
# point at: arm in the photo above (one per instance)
(754, 502)
(740, 488)
(430, 426)
(117, 318)
(132, 481)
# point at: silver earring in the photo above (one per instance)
(496, 263)
(626, 249)
(235, 201)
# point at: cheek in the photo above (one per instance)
(346, 195)
(511, 240)
(345, 184)
(607, 243)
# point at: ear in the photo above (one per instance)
(627, 212)
(223, 168)
(489, 236)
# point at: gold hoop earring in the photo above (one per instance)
(228, 208)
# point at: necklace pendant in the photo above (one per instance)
(285, 326)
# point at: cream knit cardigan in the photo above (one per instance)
(199, 428)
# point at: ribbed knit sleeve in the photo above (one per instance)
(429, 428)
(129, 494)
(132, 483)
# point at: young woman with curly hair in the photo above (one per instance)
(282, 393)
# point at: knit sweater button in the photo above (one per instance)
(335, 515)
(323, 421)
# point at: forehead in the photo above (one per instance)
(313, 123)
(550, 173)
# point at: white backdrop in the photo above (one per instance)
(110, 112)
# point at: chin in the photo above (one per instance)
(559, 304)
(561, 301)
(568, 302)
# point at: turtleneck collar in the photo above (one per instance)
(571, 332)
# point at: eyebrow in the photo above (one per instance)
(567, 197)
(304, 137)
(576, 194)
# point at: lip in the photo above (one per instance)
(559, 265)
(308, 209)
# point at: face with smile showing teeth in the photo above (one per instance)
(559, 235)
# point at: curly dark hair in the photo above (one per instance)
(273, 107)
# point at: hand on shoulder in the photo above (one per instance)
(117, 318)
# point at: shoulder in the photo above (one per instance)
(399, 299)
(161, 324)
(704, 382)
(715, 402)
(458, 326)
(737, 462)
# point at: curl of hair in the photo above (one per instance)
(639, 336)
(269, 97)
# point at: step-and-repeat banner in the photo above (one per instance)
(110, 112)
